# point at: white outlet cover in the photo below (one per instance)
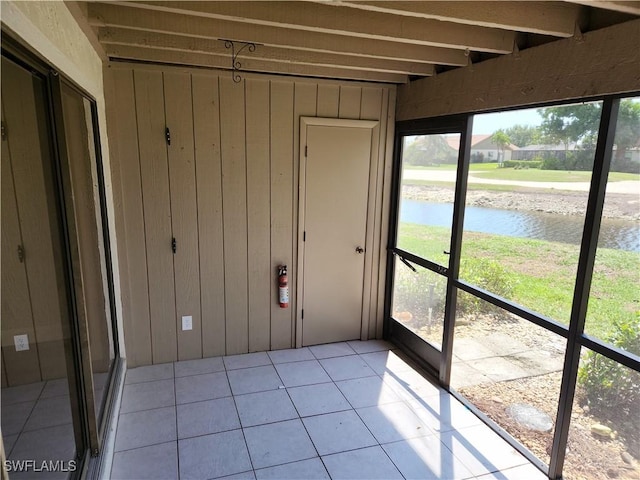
(21, 342)
(187, 322)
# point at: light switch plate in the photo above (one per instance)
(187, 322)
(21, 342)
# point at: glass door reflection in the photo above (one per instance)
(90, 237)
(40, 412)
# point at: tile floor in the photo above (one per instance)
(37, 423)
(354, 410)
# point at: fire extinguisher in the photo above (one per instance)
(283, 286)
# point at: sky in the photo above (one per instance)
(488, 123)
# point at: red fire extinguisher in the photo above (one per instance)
(283, 286)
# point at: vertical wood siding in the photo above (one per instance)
(130, 222)
(282, 191)
(150, 111)
(259, 220)
(206, 120)
(227, 190)
(184, 211)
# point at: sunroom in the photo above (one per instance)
(320, 239)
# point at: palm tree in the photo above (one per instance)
(501, 139)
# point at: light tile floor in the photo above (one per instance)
(354, 410)
(37, 423)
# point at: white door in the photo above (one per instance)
(334, 197)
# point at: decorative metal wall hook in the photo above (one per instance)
(235, 63)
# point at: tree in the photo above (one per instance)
(627, 135)
(577, 123)
(429, 150)
(524, 135)
(502, 140)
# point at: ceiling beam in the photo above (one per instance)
(632, 7)
(316, 17)
(136, 38)
(123, 52)
(115, 16)
(546, 18)
(604, 62)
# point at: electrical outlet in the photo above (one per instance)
(21, 342)
(187, 323)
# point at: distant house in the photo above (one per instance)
(483, 149)
(627, 161)
(531, 152)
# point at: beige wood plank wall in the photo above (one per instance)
(130, 226)
(231, 176)
(184, 212)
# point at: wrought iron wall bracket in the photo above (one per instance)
(235, 52)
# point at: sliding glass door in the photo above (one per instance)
(84, 198)
(58, 331)
(41, 420)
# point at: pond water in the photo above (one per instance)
(614, 233)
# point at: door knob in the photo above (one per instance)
(359, 250)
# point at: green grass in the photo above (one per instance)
(453, 166)
(536, 175)
(491, 170)
(543, 273)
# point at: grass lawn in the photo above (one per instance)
(536, 175)
(491, 170)
(542, 273)
(472, 166)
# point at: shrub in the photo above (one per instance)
(488, 275)
(552, 163)
(477, 157)
(517, 164)
(574, 160)
(578, 160)
(611, 390)
(416, 292)
(412, 291)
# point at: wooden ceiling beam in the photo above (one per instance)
(163, 56)
(314, 17)
(135, 38)
(632, 7)
(101, 14)
(546, 18)
(604, 62)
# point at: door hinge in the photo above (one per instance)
(167, 135)
(174, 245)
(3, 130)
(302, 315)
(305, 150)
(304, 236)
